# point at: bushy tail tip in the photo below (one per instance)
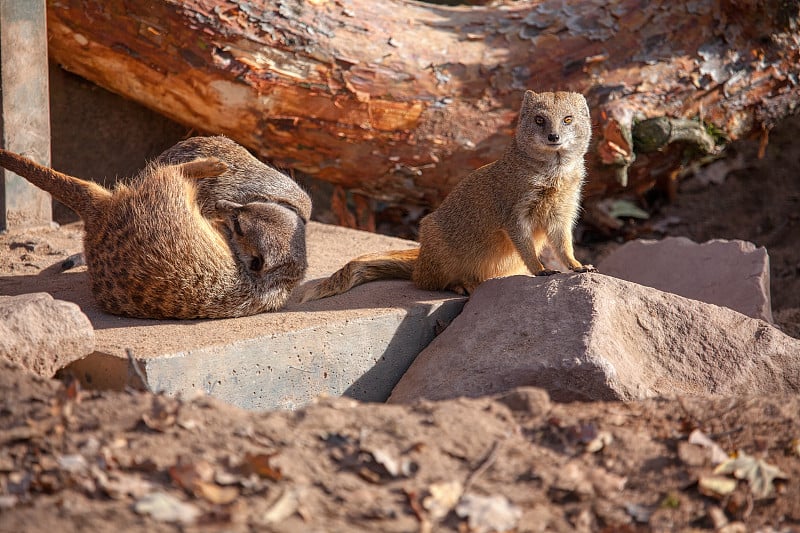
(396, 264)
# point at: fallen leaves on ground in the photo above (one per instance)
(758, 473)
(456, 466)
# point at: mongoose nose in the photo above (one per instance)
(553, 137)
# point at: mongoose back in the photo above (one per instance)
(151, 253)
(496, 220)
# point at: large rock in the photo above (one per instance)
(43, 334)
(732, 273)
(594, 337)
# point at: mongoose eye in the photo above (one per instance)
(568, 120)
(237, 228)
(257, 263)
(292, 208)
(539, 120)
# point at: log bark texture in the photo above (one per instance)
(399, 100)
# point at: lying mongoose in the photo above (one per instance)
(496, 220)
(151, 253)
(247, 181)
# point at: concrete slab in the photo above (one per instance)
(357, 344)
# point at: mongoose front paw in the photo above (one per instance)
(584, 268)
(547, 272)
(464, 289)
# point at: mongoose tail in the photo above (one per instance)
(395, 264)
(81, 196)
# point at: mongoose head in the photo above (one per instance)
(247, 179)
(268, 239)
(557, 123)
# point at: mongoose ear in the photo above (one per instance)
(205, 167)
(528, 98)
(226, 206)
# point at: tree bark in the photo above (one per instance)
(399, 100)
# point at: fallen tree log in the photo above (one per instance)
(398, 100)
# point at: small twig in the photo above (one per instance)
(419, 512)
(487, 461)
(138, 370)
(726, 433)
(748, 510)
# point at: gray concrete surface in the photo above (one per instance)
(357, 344)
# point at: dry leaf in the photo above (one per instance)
(718, 455)
(603, 439)
(485, 514)
(163, 414)
(188, 424)
(164, 507)
(73, 463)
(72, 391)
(188, 474)
(394, 467)
(259, 464)
(216, 494)
(283, 508)
(197, 479)
(716, 486)
(120, 485)
(640, 513)
(758, 473)
(794, 447)
(442, 498)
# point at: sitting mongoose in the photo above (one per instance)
(496, 220)
(151, 253)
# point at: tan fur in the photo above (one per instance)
(496, 220)
(152, 253)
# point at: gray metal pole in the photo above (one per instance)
(25, 117)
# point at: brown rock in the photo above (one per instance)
(594, 337)
(733, 274)
(529, 400)
(43, 334)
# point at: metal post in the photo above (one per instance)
(25, 117)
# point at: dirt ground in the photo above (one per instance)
(74, 460)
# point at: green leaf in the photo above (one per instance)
(625, 209)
